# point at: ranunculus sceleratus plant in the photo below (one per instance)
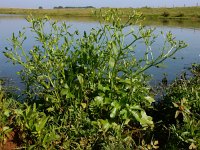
(96, 74)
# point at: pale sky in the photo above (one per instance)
(100, 3)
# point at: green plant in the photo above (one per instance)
(189, 131)
(4, 134)
(180, 14)
(31, 128)
(179, 112)
(189, 108)
(6, 107)
(92, 87)
(165, 14)
(195, 69)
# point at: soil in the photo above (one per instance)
(10, 144)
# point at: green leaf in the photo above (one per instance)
(5, 128)
(115, 126)
(127, 121)
(34, 107)
(175, 105)
(146, 120)
(113, 113)
(105, 124)
(84, 105)
(124, 113)
(31, 147)
(41, 123)
(99, 100)
(135, 114)
(7, 113)
(116, 104)
(185, 133)
(66, 86)
(70, 95)
(127, 81)
(115, 50)
(111, 62)
(67, 93)
(50, 109)
(103, 88)
(149, 99)
(64, 92)
(107, 100)
(18, 112)
(80, 79)
(134, 107)
(52, 136)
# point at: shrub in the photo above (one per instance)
(165, 14)
(180, 15)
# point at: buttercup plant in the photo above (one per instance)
(92, 85)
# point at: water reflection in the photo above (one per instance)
(180, 23)
(182, 29)
(8, 16)
(165, 22)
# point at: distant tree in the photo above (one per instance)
(60, 7)
(89, 7)
(40, 7)
(165, 14)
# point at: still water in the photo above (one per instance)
(183, 30)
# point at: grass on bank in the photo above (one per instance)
(170, 13)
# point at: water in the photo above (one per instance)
(185, 30)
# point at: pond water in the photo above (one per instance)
(183, 30)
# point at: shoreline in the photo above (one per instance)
(183, 13)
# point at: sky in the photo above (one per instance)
(95, 3)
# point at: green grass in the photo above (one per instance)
(174, 13)
(49, 12)
(153, 13)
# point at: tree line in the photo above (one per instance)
(61, 7)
